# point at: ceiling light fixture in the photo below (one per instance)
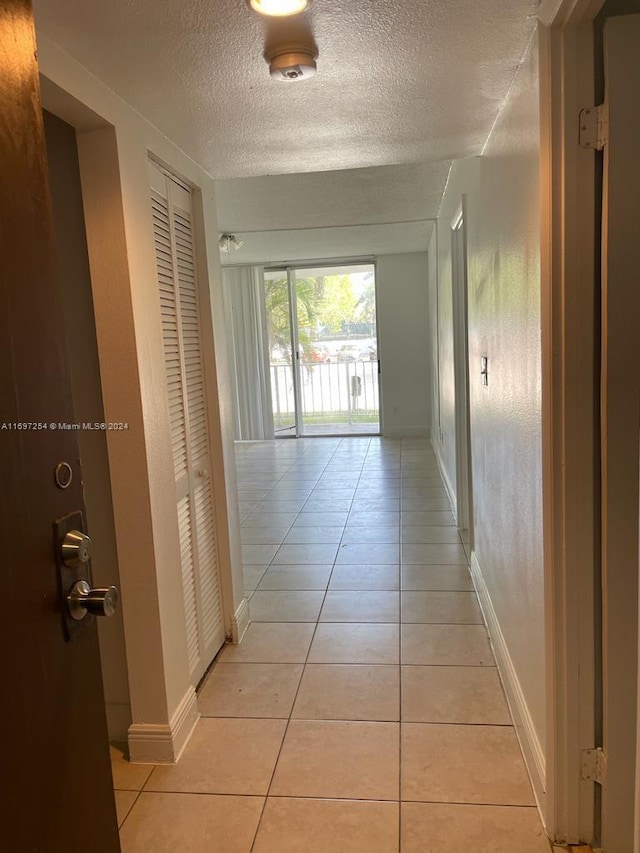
(279, 8)
(226, 241)
(291, 62)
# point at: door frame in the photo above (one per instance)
(291, 298)
(115, 144)
(295, 349)
(459, 284)
(570, 416)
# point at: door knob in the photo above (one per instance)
(76, 548)
(82, 599)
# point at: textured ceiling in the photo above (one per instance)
(377, 195)
(398, 82)
(374, 211)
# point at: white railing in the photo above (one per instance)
(349, 392)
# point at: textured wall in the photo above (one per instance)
(403, 310)
(502, 193)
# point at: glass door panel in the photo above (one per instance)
(281, 352)
(335, 309)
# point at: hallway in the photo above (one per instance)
(362, 711)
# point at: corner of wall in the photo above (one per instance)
(240, 621)
(531, 747)
(118, 720)
(163, 744)
(450, 489)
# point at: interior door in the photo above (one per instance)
(57, 794)
(620, 405)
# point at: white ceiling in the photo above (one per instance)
(398, 82)
(374, 211)
(376, 195)
(309, 244)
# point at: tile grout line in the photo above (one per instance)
(305, 663)
(130, 809)
(400, 665)
(400, 623)
(304, 666)
(289, 529)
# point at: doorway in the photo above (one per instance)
(82, 347)
(323, 350)
(464, 492)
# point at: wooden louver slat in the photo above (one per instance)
(186, 392)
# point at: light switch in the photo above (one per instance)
(484, 369)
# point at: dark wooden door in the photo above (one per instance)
(620, 429)
(56, 781)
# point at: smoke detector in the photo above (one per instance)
(290, 63)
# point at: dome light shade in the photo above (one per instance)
(278, 8)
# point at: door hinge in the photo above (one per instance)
(594, 765)
(594, 127)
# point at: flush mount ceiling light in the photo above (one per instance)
(226, 241)
(279, 8)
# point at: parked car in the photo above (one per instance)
(347, 353)
(320, 354)
(314, 354)
(369, 353)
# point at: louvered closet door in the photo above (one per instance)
(179, 305)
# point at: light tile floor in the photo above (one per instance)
(363, 711)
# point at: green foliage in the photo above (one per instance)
(324, 304)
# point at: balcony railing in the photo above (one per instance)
(342, 393)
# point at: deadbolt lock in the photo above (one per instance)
(79, 601)
(76, 548)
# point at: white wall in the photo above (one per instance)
(114, 143)
(432, 282)
(503, 232)
(404, 345)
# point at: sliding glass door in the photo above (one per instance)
(324, 349)
(279, 316)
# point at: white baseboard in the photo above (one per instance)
(240, 621)
(118, 721)
(406, 432)
(163, 743)
(451, 492)
(529, 742)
